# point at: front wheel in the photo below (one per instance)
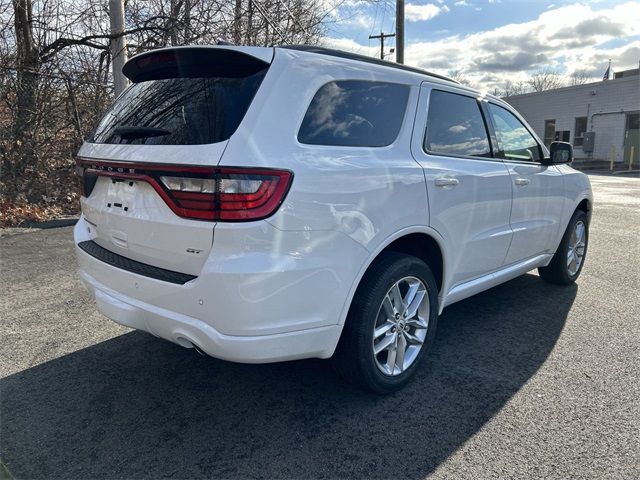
(567, 263)
(391, 324)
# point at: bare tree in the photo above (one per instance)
(579, 77)
(459, 76)
(546, 79)
(27, 65)
(55, 64)
(514, 88)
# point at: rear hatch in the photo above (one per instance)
(147, 170)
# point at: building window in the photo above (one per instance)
(578, 133)
(549, 131)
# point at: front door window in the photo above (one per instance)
(514, 140)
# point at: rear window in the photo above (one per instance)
(355, 113)
(178, 111)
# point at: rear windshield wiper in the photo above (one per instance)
(128, 132)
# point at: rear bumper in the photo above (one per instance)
(188, 331)
(246, 305)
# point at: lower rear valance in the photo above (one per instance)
(124, 263)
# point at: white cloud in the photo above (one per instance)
(349, 45)
(359, 21)
(512, 51)
(420, 13)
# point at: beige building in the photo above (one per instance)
(601, 119)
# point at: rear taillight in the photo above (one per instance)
(86, 181)
(80, 174)
(245, 195)
(204, 193)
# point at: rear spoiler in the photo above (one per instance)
(198, 61)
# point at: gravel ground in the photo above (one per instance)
(525, 380)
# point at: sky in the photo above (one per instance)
(494, 41)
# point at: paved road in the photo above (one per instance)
(525, 380)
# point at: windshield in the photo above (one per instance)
(178, 111)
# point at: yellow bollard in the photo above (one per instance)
(633, 147)
(612, 154)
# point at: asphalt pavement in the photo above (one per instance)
(527, 380)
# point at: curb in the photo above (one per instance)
(56, 223)
(626, 172)
(609, 172)
(4, 472)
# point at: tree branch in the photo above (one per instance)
(61, 43)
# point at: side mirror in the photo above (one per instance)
(560, 152)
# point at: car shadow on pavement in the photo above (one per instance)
(139, 407)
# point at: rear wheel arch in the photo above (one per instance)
(423, 244)
(426, 248)
(390, 327)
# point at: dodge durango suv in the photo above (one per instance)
(269, 204)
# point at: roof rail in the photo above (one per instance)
(363, 58)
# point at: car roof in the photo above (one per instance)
(425, 75)
(265, 54)
(363, 58)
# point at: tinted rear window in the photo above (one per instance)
(355, 113)
(455, 126)
(178, 111)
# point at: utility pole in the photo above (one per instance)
(118, 45)
(382, 36)
(399, 31)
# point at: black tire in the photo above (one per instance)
(557, 272)
(354, 359)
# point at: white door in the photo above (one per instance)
(538, 199)
(469, 192)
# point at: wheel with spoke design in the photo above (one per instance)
(391, 323)
(567, 263)
(401, 326)
(576, 247)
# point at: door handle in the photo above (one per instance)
(446, 182)
(521, 182)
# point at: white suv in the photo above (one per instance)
(269, 204)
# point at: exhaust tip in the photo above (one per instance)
(199, 350)
(186, 343)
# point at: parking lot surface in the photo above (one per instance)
(525, 380)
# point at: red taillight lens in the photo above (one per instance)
(205, 193)
(80, 174)
(248, 195)
(85, 179)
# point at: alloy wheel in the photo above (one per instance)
(401, 326)
(576, 248)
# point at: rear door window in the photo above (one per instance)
(178, 111)
(355, 113)
(455, 126)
